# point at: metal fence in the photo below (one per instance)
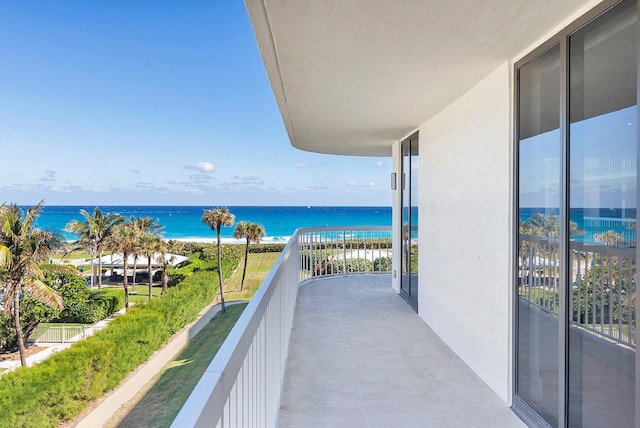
(241, 386)
(602, 278)
(344, 250)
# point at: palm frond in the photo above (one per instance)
(57, 268)
(43, 293)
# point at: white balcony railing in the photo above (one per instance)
(241, 386)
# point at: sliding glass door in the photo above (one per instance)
(576, 200)
(409, 232)
(602, 146)
(538, 250)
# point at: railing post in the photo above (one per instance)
(344, 251)
(312, 255)
(63, 334)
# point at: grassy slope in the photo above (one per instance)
(257, 269)
(159, 403)
(159, 406)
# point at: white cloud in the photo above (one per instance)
(202, 166)
(205, 166)
(353, 184)
(248, 179)
(302, 165)
(379, 164)
(199, 178)
(48, 176)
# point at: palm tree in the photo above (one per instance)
(252, 232)
(163, 248)
(149, 245)
(142, 226)
(22, 251)
(94, 232)
(610, 237)
(548, 226)
(215, 218)
(124, 240)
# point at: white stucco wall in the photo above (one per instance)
(464, 228)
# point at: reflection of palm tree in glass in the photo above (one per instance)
(548, 226)
(411, 248)
(610, 237)
(406, 238)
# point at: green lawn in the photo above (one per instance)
(141, 295)
(72, 256)
(160, 404)
(258, 267)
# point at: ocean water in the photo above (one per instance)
(185, 222)
(592, 221)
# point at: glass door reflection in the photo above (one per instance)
(409, 232)
(602, 209)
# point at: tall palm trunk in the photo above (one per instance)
(16, 324)
(133, 277)
(244, 270)
(220, 272)
(165, 279)
(126, 282)
(100, 270)
(150, 276)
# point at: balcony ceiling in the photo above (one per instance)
(353, 76)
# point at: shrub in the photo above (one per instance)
(382, 264)
(267, 248)
(57, 389)
(354, 244)
(353, 265)
(97, 305)
(135, 336)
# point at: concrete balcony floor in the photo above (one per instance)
(361, 357)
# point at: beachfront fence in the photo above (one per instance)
(241, 386)
(58, 334)
(603, 285)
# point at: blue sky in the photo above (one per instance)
(603, 163)
(153, 103)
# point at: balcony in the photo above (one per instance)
(326, 341)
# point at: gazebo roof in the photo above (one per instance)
(116, 260)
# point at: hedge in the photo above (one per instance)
(59, 388)
(267, 248)
(353, 244)
(99, 305)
